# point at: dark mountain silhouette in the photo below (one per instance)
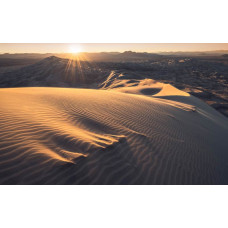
(53, 71)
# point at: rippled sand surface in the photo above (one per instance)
(156, 135)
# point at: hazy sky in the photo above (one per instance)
(140, 47)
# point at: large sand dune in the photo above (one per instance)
(152, 135)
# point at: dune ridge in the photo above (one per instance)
(88, 136)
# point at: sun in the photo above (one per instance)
(75, 49)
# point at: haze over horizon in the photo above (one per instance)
(109, 47)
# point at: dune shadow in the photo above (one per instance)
(150, 91)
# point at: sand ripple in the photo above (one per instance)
(81, 136)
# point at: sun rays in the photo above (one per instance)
(76, 66)
(79, 68)
(75, 49)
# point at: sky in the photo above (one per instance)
(108, 47)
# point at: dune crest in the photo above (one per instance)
(169, 90)
(86, 136)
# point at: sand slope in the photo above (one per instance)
(82, 136)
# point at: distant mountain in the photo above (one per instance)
(113, 56)
(53, 71)
(205, 53)
(25, 56)
(137, 54)
(101, 56)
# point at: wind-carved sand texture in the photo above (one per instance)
(147, 134)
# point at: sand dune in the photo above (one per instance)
(143, 135)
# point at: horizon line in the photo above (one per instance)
(2, 53)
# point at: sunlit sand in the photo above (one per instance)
(150, 134)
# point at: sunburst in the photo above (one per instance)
(75, 49)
